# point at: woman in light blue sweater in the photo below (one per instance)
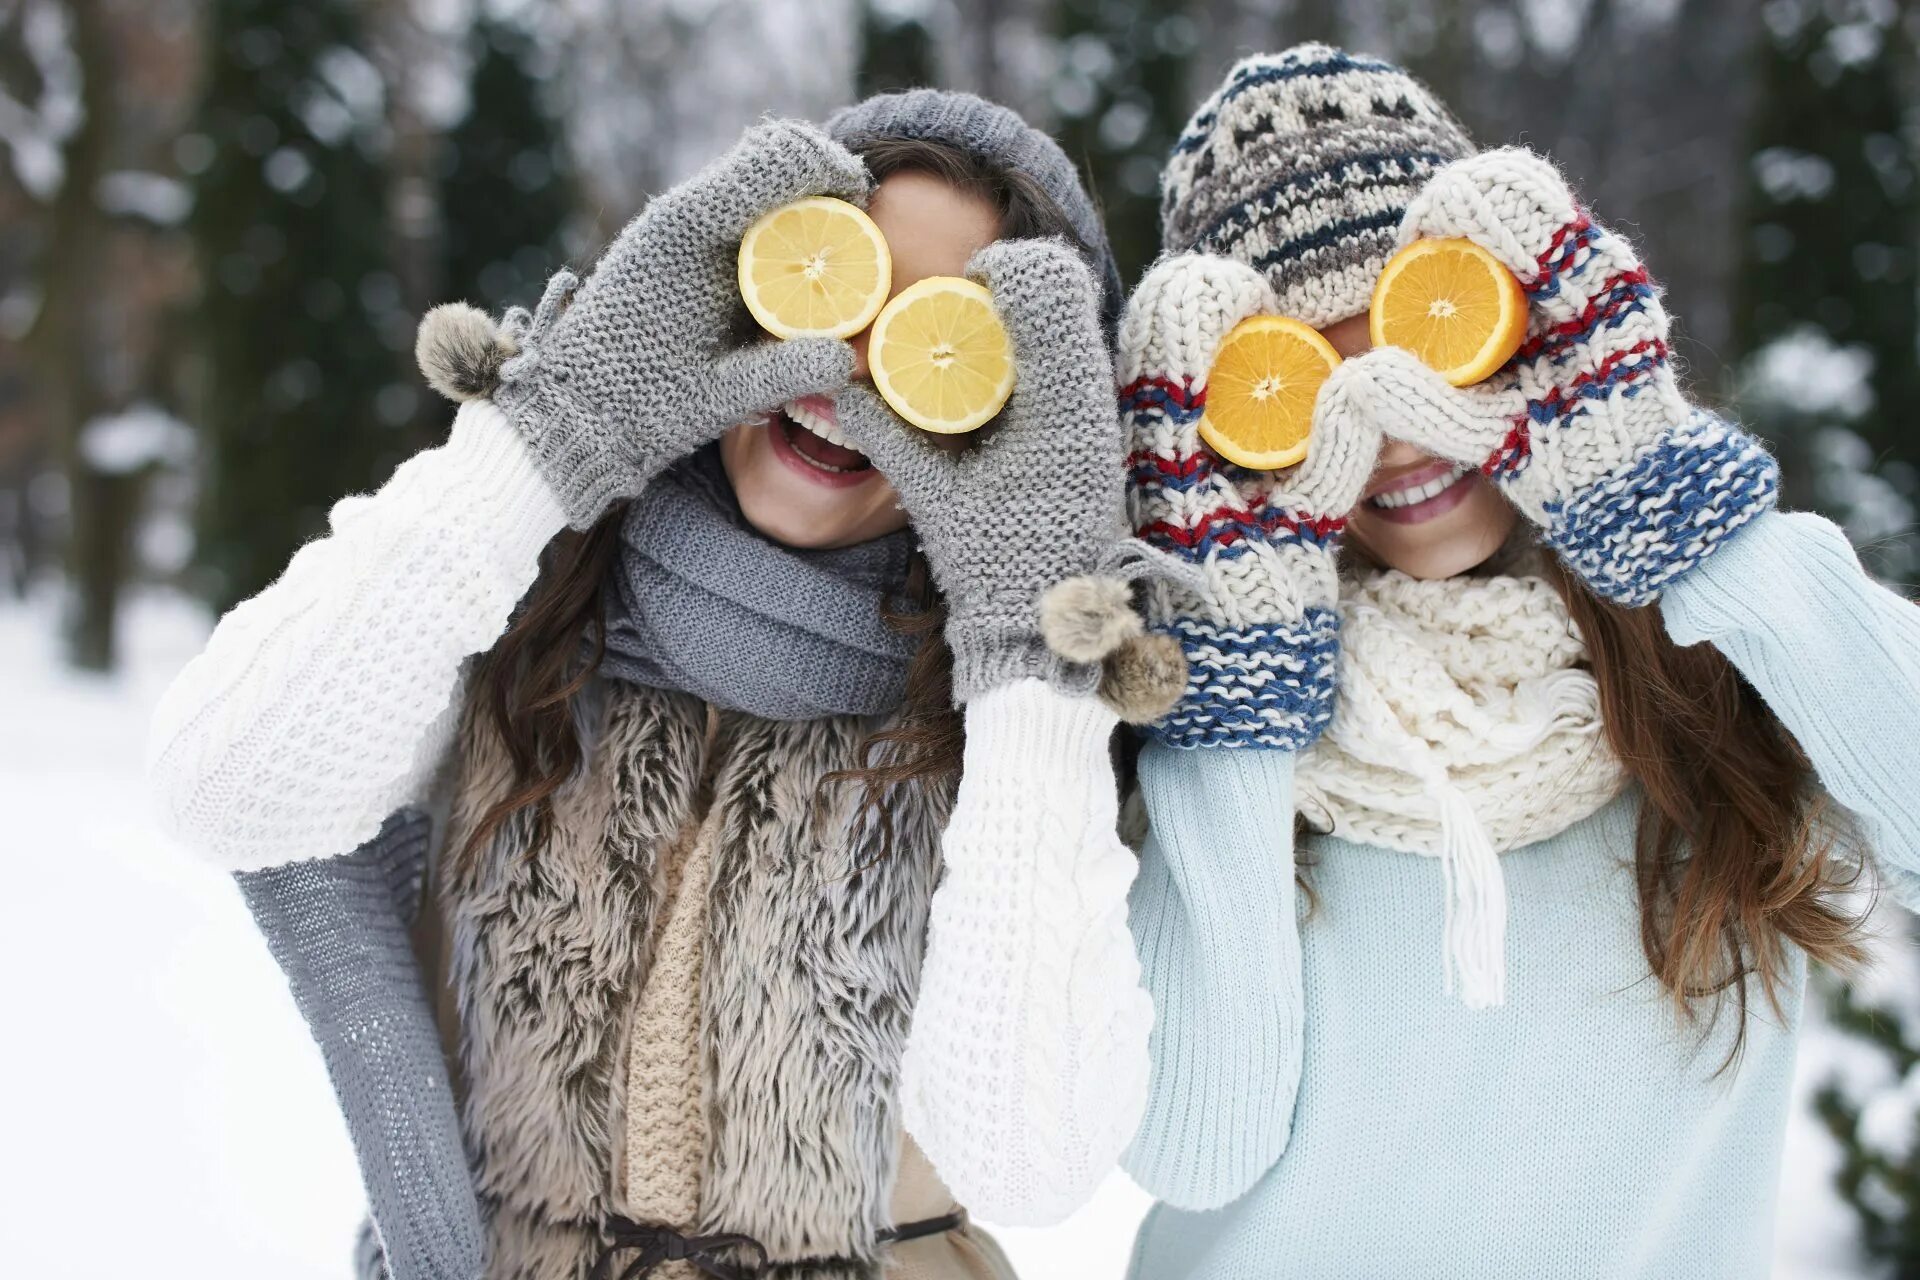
(1581, 738)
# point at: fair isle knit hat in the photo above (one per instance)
(992, 133)
(1301, 166)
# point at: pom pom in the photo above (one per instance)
(460, 350)
(1084, 619)
(1143, 679)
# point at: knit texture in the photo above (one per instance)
(665, 1101)
(699, 601)
(999, 136)
(338, 928)
(619, 377)
(1467, 725)
(338, 689)
(1028, 953)
(1041, 499)
(328, 701)
(1407, 1101)
(1258, 626)
(1586, 430)
(1301, 166)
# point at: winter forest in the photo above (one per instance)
(223, 219)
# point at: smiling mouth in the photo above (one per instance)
(806, 437)
(1421, 494)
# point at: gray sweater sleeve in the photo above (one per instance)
(338, 927)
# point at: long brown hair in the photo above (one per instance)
(528, 681)
(1733, 857)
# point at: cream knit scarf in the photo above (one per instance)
(1466, 725)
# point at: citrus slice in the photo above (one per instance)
(816, 268)
(940, 356)
(1261, 389)
(1452, 304)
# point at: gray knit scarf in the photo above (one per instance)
(701, 603)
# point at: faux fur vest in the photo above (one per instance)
(812, 960)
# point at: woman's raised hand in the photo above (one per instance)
(622, 375)
(1261, 632)
(1041, 499)
(1586, 429)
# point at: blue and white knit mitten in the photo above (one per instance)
(1262, 637)
(1586, 429)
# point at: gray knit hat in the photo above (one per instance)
(1301, 166)
(993, 133)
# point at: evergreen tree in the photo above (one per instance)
(506, 188)
(1825, 308)
(1879, 1174)
(896, 52)
(1122, 93)
(290, 226)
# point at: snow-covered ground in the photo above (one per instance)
(161, 1108)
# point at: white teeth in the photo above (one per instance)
(818, 425)
(1419, 493)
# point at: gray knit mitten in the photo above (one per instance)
(635, 370)
(1042, 499)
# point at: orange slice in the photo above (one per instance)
(816, 268)
(1261, 389)
(940, 356)
(1452, 304)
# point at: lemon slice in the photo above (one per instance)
(816, 268)
(1452, 304)
(940, 356)
(1261, 389)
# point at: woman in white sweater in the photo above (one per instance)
(616, 653)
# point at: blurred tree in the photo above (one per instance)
(896, 51)
(1879, 1173)
(1121, 91)
(506, 187)
(290, 225)
(1825, 303)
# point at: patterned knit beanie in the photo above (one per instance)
(1301, 166)
(997, 135)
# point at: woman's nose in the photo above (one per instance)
(859, 344)
(1398, 453)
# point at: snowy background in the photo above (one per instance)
(219, 220)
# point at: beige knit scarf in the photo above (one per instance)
(1467, 725)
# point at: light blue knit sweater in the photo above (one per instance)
(1574, 1132)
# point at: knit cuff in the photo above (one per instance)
(985, 659)
(572, 444)
(1633, 533)
(1265, 685)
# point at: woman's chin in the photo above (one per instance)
(791, 506)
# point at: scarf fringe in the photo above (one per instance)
(1451, 694)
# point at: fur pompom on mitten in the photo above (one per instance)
(460, 350)
(1087, 617)
(1090, 619)
(1144, 679)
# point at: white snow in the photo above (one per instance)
(35, 132)
(1785, 173)
(139, 435)
(160, 1094)
(137, 193)
(1805, 371)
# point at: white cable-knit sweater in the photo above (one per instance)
(330, 699)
